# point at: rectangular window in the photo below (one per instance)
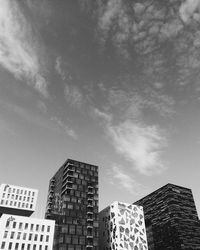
(3, 245)
(30, 237)
(41, 237)
(29, 247)
(32, 227)
(20, 225)
(42, 228)
(47, 238)
(17, 246)
(12, 235)
(48, 229)
(18, 235)
(26, 226)
(37, 227)
(24, 236)
(23, 246)
(36, 237)
(10, 246)
(5, 234)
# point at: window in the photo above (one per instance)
(32, 227)
(16, 246)
(41, 237)
(34, 247)
(42, 228)
(29, 247)
(24, 236)
(26, 226)
(36, 237)
(18, 235)
(30, 237)
(72, 229)
(10, 246)
(5, 234)
(12, 235)
(47, 238)
(7, 223)
(48, 229)
(3, 245)
(46, 247)
(23, 246)
(20, 225)
(37, 227)
(2, 201)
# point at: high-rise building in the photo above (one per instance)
(171, 219)
(17, 200)
(17, 230)
(121, 226)
(73, 203)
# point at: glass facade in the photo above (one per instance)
(171, 219)
(73, 203)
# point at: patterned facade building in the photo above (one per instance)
(122, 227)
(73, 202)
(171, 219)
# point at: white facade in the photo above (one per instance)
(17, 199)
(23, 233)
(122, 227)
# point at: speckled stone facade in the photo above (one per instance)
(122, 227)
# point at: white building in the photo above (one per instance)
(122, 227)
(17, 200)
(22, 233)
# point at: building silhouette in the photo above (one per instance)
(17, 230)
(171, 219)
(121, 226)
(73, 203)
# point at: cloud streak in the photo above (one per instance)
(18, 52)
(126, 181)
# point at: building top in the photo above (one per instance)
(17, 200)
(19, 232)
(174, 187)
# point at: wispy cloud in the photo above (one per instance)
(73, 95)
(43, 120)
(67, 130)
(18, 53)
(139, 144)
(126, 180)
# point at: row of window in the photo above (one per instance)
(18, 191)
(26, 236)
(23, 246)
(28, 226)
(17, 204)
(18, 197)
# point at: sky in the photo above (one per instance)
(113, 83)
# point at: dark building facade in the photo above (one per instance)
(171, 219)
(73, 203)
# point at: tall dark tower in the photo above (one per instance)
(73, 203)
(171, 219)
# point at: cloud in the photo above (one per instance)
(188, 9)
(139, 144)
(126, 181)
(18, 52)
(58, 68)
(73, 96)
(67, 130)
(39, 119)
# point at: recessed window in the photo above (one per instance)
(10, 246)
(12, 235)
(48, 229)
(5, 234)
(16, 246)
(3, 245)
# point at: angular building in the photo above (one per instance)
(17, 230)
(22, 233)
(171, 219)
(17, 200)
(73, 203)
(121, 226)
